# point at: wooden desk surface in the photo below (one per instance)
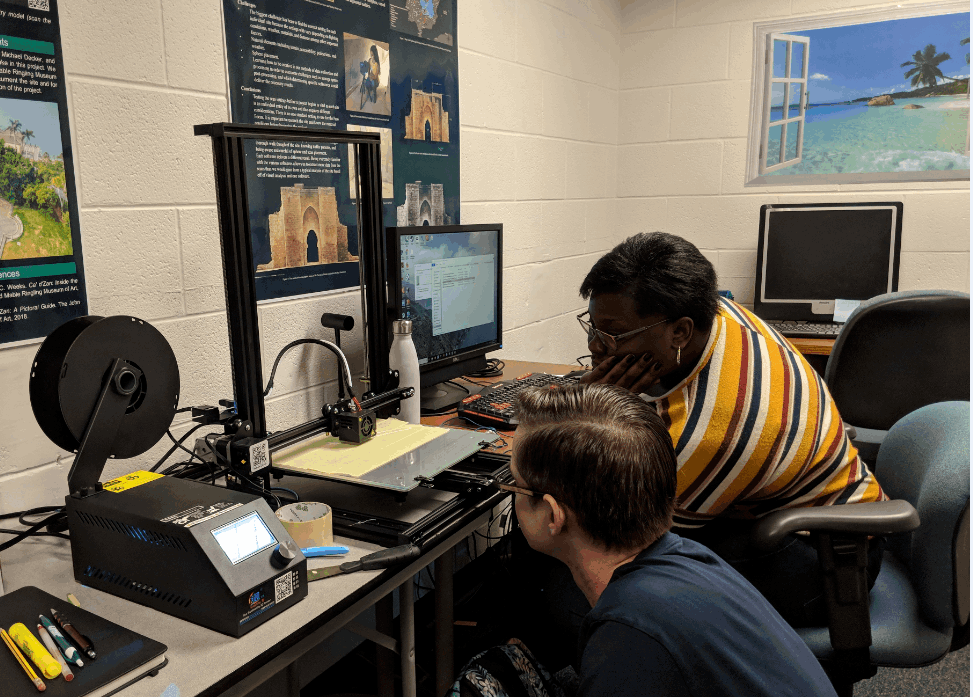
(511, 370)
(813, 347)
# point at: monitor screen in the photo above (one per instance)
(823, 253)
(244, 537)
(449, 286)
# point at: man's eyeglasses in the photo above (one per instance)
(609, 341)
(516, 489)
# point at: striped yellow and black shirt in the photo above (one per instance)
(756, 430)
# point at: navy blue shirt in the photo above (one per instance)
(678, 620)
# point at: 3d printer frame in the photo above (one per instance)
(229, 161)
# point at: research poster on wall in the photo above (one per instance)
(42, 281)
(381, 66)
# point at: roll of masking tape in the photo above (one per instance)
(308, 523)
(35, 651)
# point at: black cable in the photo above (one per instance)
(171, 450)
(578, 359)
(342, 361)
(180, 445)
(456, 384)
(29, 532)
(494, 369)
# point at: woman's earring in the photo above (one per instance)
(679, 355)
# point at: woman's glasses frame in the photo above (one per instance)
(610, 341)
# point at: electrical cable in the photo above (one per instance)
(493, 369)
(462, 387)
(289, 491)
(33, 530)
(321, 342)
(171, 450)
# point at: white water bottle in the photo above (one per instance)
(403, 358)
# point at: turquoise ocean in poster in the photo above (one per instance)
(847, 138)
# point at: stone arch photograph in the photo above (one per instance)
(305, 230)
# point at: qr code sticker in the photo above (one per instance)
(259, 456)
(44, 5)
(283, 587)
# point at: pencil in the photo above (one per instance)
(38, 683)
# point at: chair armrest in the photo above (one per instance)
(874, 518)
(851, 431)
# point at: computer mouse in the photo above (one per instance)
(576, 373)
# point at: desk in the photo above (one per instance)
(511, 370)
(815, 352)
(263, 662)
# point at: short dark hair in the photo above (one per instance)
(664, 274)
(605, 454)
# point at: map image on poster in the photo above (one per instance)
(382, 66)
(42, 283)
(430, 19)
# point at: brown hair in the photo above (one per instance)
(605, 454)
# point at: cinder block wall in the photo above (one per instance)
(539, 118)
(684, 106)
(583, 121)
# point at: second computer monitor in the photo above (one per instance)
(810, 255)
(448, 283)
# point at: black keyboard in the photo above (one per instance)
(806, 330)
(494, 406)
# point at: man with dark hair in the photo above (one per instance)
(596, 479)
(753, 425)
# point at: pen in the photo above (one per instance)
(70, 653)
(65, 624)
(38, 683)
(54, 651)
(336, 550)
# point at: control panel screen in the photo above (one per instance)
(244, 537)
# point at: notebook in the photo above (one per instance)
(124, 656)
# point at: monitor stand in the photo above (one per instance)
(444, 396)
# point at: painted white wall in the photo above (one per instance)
(684, 106)
(539, 119)
(583, 121)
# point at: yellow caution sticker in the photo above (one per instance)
(131, 480)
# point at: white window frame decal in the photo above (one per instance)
(786, 121)
(761, 89)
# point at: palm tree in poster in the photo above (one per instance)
(15, 126)
(28, 135)
(966, 42)
(925, 67)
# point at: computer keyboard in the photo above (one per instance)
(494, 406)
(806, 330)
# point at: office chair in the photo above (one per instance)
(919, 608)
(898, 352)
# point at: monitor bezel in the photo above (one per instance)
(394, 234)
(803, 309)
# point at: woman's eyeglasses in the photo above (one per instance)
(609, 341)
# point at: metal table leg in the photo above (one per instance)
(407, 637)
(385, 659)
(444, 622)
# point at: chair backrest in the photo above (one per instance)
(925, 459)
(898, 352)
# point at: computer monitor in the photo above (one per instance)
(448, 280)
(810, 255)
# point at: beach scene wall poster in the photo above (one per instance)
(883, 100)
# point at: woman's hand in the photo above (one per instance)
(634, 373)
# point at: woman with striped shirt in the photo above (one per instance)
(753, 425)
